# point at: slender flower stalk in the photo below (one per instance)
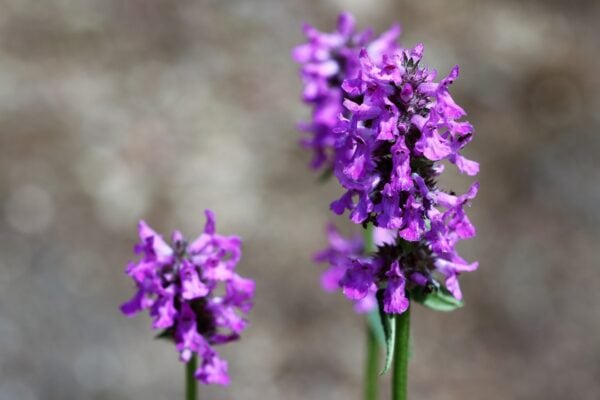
(372, 361)
(193, 295)
(401, 353)
(191, 390)
(371, 365)
(368, 239)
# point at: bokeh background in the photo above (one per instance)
(113, 110)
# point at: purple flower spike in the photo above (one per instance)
(394, 126)
(180, 286)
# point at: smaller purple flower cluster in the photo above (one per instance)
(179, 285)
(345, 255)
(328, 59)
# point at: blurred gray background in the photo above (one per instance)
(112, 110)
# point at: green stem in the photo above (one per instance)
(372, 362)
(369, 244)
(371, 366)
(400, 366)
(190, 380)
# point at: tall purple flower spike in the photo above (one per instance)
(395, 127)
(180, 285)
(400, 125)
(326, 60)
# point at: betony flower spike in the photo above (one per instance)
(394, 125)
(193, 293)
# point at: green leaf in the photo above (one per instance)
(439, 300)
(389, 330)
(389, 325)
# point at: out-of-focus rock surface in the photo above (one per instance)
(111, 111)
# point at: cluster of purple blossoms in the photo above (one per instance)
(327, 60)
(341, 256)
(178, 284)
(395, 126)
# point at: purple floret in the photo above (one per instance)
(180, 284)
